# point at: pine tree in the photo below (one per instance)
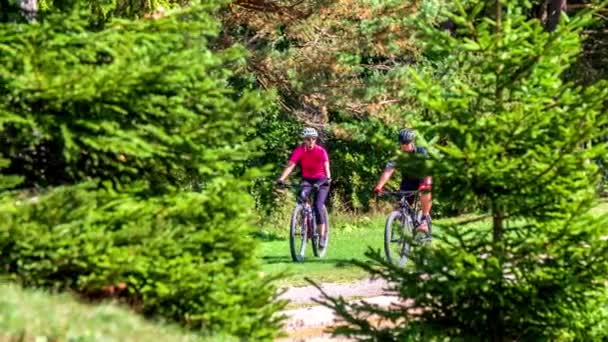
(110, 129)
(512, 136)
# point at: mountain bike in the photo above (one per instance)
(303, 225)
(400, 235)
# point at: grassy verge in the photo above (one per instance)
(28, 315)
(350, 239)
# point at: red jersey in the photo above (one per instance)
(311, 161)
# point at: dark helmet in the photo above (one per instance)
(406, 136)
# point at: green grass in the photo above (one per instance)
(28, 315)
(350, 238)
(602, 208)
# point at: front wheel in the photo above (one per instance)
(397, 236)
(316, 241)
(298, 232)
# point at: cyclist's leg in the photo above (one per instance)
(413, 184)
(426, 200)
(319, 203)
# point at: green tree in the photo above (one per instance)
(335, 65)
(99, 11)
(104, 132)
(511, 134)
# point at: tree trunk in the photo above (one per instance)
(541, 11)
(554, 12)
(496, 316)
(4, 9)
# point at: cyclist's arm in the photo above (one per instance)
(293, 160)
(287, 171)
(386, 175)
(326, 167)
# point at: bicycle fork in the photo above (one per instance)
(310, 224)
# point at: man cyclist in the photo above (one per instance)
(410, 183)
(314, 162)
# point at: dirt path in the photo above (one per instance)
(308, 321)
(362, 288)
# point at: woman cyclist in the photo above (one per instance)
(314, 162)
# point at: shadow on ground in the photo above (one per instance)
(280, 259)
(266, 236)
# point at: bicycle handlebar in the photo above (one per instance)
(284, 185)
(399, 194)
(316, 186)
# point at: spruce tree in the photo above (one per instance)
(512, 136)
(120, 146)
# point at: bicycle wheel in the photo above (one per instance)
(397, 236)
(316, 246)
(298, 234)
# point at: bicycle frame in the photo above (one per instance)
(312, 224)
(309, 213)
(307, 228)
(404, 206)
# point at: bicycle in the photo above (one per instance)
(399, 230)
(303, 225)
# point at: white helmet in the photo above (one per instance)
(309, 132)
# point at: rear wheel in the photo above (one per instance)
(316, 242)
(397, 236)
(298, 234)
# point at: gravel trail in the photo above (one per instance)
(308, 321)
(362, 288)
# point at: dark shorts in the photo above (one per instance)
(415, 184)
(411, 184)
